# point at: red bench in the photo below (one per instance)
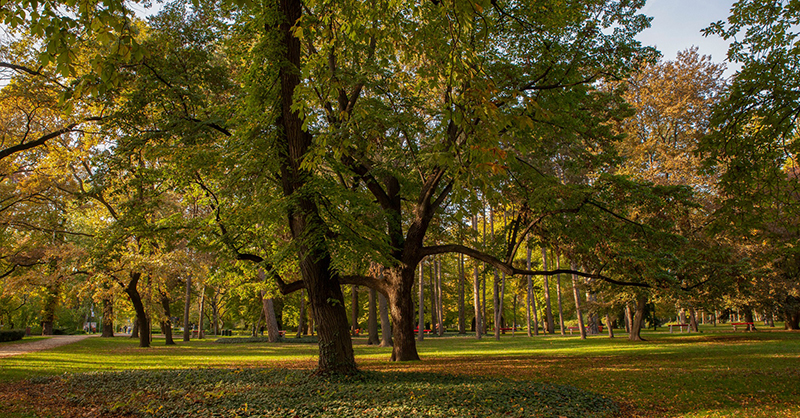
(678, 325)
(749, 325)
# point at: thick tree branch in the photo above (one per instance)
(512, 271)
(44, 138)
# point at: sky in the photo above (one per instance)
(676, 26)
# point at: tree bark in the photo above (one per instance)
(577, 294)
(200, 318)
(693, 320)
(166, 323)
(547, 310)
(476, 288)
(609, 326)
(187, 331)
(439, 299)
(108, 316)
(354, 328)
(532, 301)
(141, 317)
(421, 304)
(268, 308)
(638, 318)
(372, 321)
(301, 319)
(135, 329)
(49, 311)
(321, 280)
(558, 292)
(386, 326)
(401, 309)
(462, 324)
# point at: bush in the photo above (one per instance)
(11, 335)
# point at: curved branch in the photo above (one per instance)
(512, 271)
(44, 138)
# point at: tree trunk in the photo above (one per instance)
(49, 311)
(693, 320)
(401, 309)
(609, 326)
(354, 328)
(141, 318)
(108, 316)
(638, 318)
(558, 292)
(476, 289)
(434, 307)
(386, 326)
(547, 310)
(421, 304)
(462, 322)
(439, 301)
(372, 321)
(268, 308)
(187, 331)
(301, 319)
(577, 294)
(200, 333)
(135, 329)
(532, 301)
(321, 280)
(166, 323)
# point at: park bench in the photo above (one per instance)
(679, 326)
(426, 331)
(749, 325)
(571, 329)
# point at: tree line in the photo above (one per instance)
(306, 145)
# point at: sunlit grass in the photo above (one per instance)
(712, 374)
(24, 340)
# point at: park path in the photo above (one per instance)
(46, 344)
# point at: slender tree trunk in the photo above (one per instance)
(354, 328)
(558, 292)
(477, 300)
(638, 318)
(108, 316)
(433, 298)
(141, 318)
(421, 304)
(609, 325)
(301, 318)
(386, 325)
(187, 331)
(547, 310)
(693, 320)
(372, 321)
(215, 311)
(577, 294)
(268, 309)
(49, 311)
(532, 301)
(166, 323)
(439, 299)
(200, 333)
(462, 322)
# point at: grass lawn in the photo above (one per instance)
(713, 374)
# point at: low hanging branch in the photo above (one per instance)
(44, 138)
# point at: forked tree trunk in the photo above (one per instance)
(108, 316)
(638, 318)
(141, 317)
(166, 323)
(187, 331)
(372, 321)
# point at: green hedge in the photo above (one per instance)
(11, 335)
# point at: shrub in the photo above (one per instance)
(11, 335)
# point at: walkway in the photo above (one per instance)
(46, 344)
